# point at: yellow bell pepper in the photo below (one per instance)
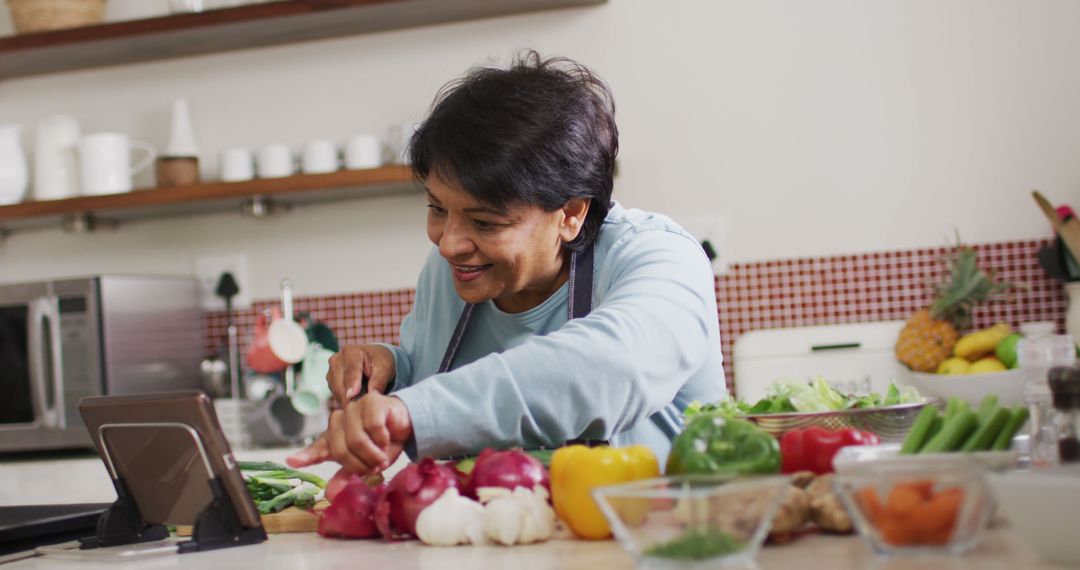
(576, 470)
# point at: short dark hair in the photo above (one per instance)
(539, 132)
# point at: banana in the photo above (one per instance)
(972, 346)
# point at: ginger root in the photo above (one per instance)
(792, 515)
(825, 508)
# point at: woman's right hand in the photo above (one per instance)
(352, 364)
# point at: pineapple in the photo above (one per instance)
(929, 335)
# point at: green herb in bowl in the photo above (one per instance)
(697, 545)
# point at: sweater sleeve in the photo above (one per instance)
(595, 376)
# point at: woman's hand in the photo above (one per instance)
(350, 365)
(366, 437)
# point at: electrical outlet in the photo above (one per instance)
(711, 229)
(208, 269)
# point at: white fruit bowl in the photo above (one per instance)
(1008, 385)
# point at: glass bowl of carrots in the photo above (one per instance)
(918, 508)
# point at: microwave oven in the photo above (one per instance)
(66, 339)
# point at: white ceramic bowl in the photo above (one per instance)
(1044, 508)
(1008, 385)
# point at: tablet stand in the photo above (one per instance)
(216, 526)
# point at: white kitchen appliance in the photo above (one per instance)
(854, 358)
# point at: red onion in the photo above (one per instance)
(351, 512)
(409, 492)
(507, 469)
(339, 481)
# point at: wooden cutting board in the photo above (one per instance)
(293, 519)
(290, 519)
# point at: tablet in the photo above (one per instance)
(166, 447)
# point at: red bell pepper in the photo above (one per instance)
(813, 448)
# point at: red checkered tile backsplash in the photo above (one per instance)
(863, 287)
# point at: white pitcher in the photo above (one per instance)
(14, 178)
(56, 171)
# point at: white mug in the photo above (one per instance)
(105, 162)
(319, 156)
(56, 169)
(237, 164)
(274, 161)
(362, 151)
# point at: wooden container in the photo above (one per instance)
(44, 15)
(177, 171)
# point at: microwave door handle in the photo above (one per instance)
(45, 368)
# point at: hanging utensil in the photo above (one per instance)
(287, 338)
(227, 288)
(1069, 230)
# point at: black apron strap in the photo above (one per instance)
(579, 304)
(456, 338)
(579, 296)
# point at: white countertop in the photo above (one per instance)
(84, 479)
(1001, 549)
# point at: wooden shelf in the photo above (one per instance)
(241, 27)
(210, 197)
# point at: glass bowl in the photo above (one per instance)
(916, 508)
(692, 520)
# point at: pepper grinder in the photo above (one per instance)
(1065, 385)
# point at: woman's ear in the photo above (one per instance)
(574, 212)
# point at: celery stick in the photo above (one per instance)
(953, 433)
(1017, 417)
(920, 430)
(984, 436)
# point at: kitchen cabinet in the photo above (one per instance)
(240, 27)
(83, 212)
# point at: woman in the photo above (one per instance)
(546, 313)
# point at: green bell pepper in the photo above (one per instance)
(715, 444)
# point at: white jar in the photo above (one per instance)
(14, 175)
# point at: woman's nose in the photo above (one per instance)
(455, 241)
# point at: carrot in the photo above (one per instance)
(870, 503)
(925, 489)
(914, 514)
(937, 537)
(897, 533)
(902, 501)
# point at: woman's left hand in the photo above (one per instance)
(369, 434)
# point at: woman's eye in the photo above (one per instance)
(484, 226)
(436, 210)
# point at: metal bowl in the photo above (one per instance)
(890, 423)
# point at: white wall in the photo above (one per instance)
(811, 128)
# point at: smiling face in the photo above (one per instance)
(514, 257)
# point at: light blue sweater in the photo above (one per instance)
(650, 346)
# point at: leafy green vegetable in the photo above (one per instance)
(697, 545)
(274, 486)
(728, 407)
(301, 496)
(271, 470)
(787, 396)
(817, 397)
